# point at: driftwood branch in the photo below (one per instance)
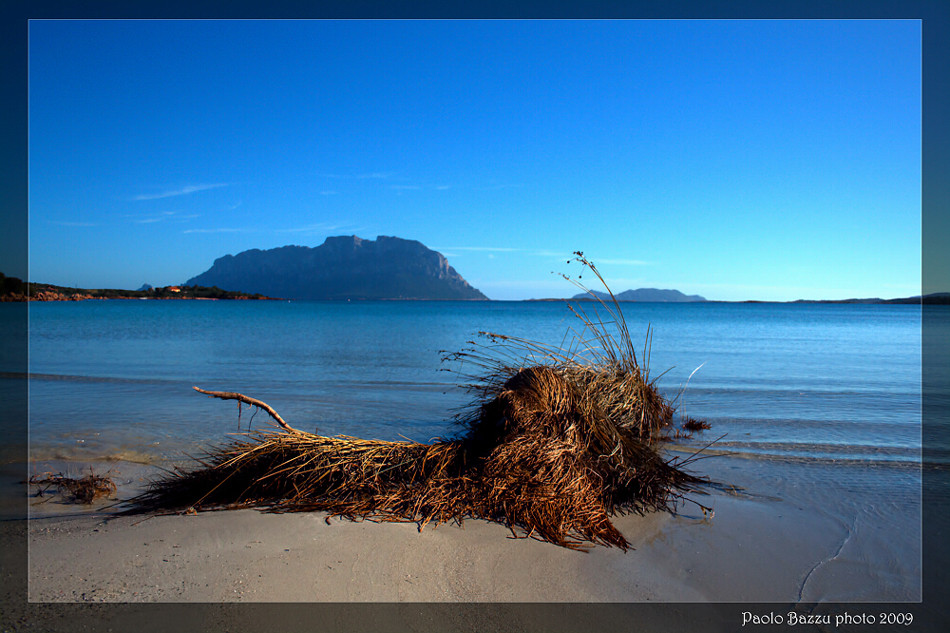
(230, 395)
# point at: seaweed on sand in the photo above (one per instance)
(558, 440)
(85, 490)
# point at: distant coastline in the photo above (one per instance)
(14, 289)
(936, 298)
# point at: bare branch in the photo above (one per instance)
(230, 395)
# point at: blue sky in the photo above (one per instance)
(769, 160)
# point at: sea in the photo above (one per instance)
(112, 380)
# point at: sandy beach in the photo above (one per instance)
(789, 536)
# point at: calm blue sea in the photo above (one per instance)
(112, 379)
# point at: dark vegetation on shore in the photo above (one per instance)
(556, 442)
(14, 289)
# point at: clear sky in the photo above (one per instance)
(769, 160)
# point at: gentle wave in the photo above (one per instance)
(88, 379)
(912, 390)
(886, 462)
(853, 449)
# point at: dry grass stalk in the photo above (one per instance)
(557, 441)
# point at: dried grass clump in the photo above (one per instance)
(692, 424)
(557, 441)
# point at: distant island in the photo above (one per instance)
(15, 289)
(935, 298)
(675, 296)
(642, 294)
(342, 268)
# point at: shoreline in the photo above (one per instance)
(796, 533)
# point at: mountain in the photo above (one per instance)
(341, 268)
(646, 294)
